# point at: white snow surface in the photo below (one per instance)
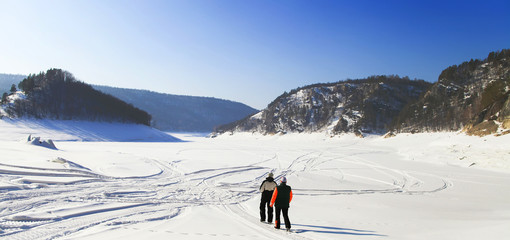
(100, 184)
(69, 130)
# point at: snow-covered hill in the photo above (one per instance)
(410, 187)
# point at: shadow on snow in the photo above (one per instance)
(335, 230)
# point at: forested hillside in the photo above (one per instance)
(56, 94)
(473, 95)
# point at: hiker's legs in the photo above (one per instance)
(262, 210)
(277, 217)
(285, 212)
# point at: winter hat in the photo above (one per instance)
(284, 179)
(270, 174)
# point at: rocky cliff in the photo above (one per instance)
(473, 96)
(360, 106)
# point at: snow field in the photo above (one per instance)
(407, 187)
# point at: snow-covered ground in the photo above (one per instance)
(121, 181)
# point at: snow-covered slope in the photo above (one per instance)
(64, 130)
(422, 186)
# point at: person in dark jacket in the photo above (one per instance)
(281, 200)
(266, 188)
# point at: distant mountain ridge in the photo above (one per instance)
(360, 106)
(182, 113)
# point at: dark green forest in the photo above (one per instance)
(56, 94)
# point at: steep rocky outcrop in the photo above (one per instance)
(473, 97)
(359, 106)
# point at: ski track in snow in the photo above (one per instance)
(36, 207)
(398, 181)
(151, 197)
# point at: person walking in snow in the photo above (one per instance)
(266, 188)
(281, 200)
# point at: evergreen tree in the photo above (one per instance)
(13, 88)
(28, 84)
(4, 97)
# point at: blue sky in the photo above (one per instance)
(246, 51)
